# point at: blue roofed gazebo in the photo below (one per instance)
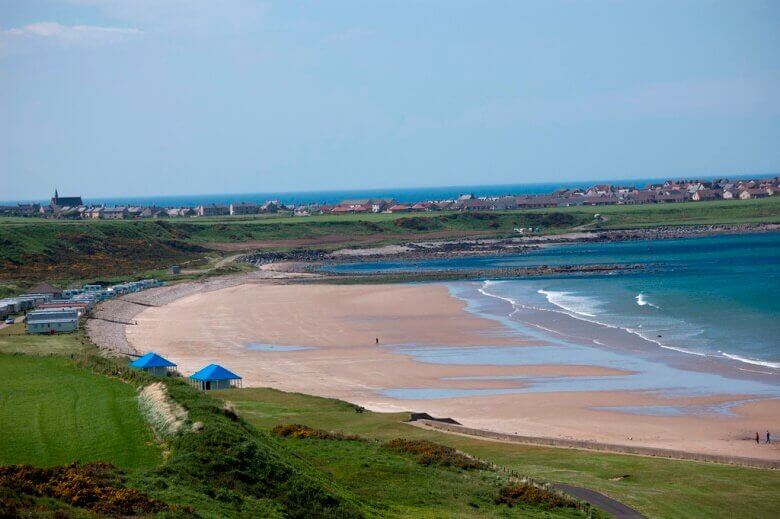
(215, 376)
(154, 364)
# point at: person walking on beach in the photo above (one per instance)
(757, 440)
(377, 340)
(768, 437)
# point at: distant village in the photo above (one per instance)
(670, 191)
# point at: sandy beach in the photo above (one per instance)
(321, 340)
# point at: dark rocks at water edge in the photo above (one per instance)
(463, 274)
(465, 247)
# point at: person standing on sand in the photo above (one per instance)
(377, 340)
(757, 440)
(768, 437)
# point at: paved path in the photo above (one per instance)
(615, 508)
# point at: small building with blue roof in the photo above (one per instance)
(154, 364)
(214, 377)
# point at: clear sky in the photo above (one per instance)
(144, 97)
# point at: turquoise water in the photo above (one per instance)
(715, 296)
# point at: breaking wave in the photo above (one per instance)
(580, 305)
(764, 363)
(641, 300)
(584, 308)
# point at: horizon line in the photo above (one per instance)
(403, 188)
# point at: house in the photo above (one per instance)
(135, 211)
(52, 321)
(424, 207)
(473, 204)
(181, 211)
(244, 208)
(399, 208)
(115, 213)
(23, 210)
(353, 206)
(94, 213)
(154, 212)
(599, 190)
(213, 210)
(747, 194)
(154, 365)
(672, 196)
(45, 289)
(272, 206)
(704, 194)
(67, 212)
(215, 376)
(727, 194)
(505, 203)
(307, 210)
(599, 200)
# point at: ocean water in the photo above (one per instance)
(333, 196)
(713, 296)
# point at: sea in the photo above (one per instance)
(401, 194)
(715, 297)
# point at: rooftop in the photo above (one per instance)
(214, 372)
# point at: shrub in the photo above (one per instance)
(416, 223)
(531, 494)
(94, 486)
(295, 430)
(430, 453)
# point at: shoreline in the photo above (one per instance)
(314, 260)
(484, 434)
(349, 369)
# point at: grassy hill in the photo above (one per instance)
(78, 405)
(32, 249)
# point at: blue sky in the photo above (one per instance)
(144, 97)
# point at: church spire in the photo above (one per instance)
(56, 196)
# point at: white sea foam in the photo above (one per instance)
(641, 300)
(765, 363)
(587, 317)
(580, 305)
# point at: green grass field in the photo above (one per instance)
(655, 486)
(54, 413)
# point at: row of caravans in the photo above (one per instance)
(47, 314)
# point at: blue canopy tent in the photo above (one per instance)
(215, 376)
(154, 364)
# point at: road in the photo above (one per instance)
(615, 508)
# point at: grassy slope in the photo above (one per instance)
(228, 468)
(58, 413)
(657, 487)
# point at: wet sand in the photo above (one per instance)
(339, 325)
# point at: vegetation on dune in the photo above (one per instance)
(429, 453)
(224, 465)
(689, 489)
(97, 487)
(531, 494)
(304, 431)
